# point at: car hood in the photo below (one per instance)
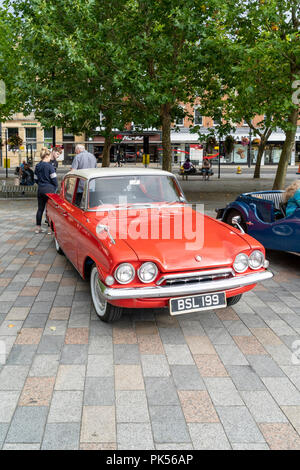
(173, 237)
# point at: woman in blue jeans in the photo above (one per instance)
(46, 179)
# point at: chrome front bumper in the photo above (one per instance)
(123, 293)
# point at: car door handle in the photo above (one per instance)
(65, 214)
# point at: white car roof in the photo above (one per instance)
(115, 171)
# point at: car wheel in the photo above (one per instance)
(234, 213)
(57, 246)
(105, 311)
(233, 300)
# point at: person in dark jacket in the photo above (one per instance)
(46, 179)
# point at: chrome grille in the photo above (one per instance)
(199, 276)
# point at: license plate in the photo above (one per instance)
(196, 303)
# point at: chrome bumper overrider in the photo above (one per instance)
(123, 293)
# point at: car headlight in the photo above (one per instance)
(256, 259)
(241, 263)
(147, 272)
(124, 273)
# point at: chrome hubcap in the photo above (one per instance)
(98, 299)
(56, 244)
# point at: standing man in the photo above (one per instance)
(81, 161)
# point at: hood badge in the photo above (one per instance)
(198, 258)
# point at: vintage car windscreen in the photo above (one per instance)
(136, 189)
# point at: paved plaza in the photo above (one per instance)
(224, 379)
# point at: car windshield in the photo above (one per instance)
(135, 189)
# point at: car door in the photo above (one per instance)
(63, 220)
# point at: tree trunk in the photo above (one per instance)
(261, 149)
(286, 152)
(106, 152)
(166, 137)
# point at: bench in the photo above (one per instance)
(197, 173)
(12, 190)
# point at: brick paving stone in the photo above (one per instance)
(245, 378)
(134, 436)
(128, 377)
(27, 425)
(77, 336)
(263, 407)
(98, 424)
(222, 391)
(17, 313)
(124, 335)
(155, 365)
(50, 344)
(282, 390)
(161, 391)
(100, 366)
(210, 366)
(231, 355)
(37, 391)
(61, 436)
(265, 366)
(131, 406)
(13, 377)
(280, 436)
(208, 436)
(29, 336)
(178, 354)
(219, 336)
(44, 365)
(3, 432)
(239, 425)
(126, 354)
(66, 406)
(70, 377)
(187, 377)
(99, 391)
(293, 415)
(197, 407)
(74, 353)
(8, 403)
(249, 345)
(150, 344)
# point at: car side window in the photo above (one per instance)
(69, 188)
(80, 196)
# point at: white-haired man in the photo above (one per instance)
(82, 160)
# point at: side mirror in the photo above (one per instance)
(236, 221)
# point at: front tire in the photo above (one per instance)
(105, 311)
(233, 300)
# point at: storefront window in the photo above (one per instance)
(48, 137)
(240, 153)
(30, 133)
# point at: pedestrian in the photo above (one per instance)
(119, 158)
(291, 197)
(81, 161)
(206, 169)
(27, 176)
(46, 179)
(54, 156)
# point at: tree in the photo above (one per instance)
(9, 99)
(163, 58)
(70, 71)
(269, 30)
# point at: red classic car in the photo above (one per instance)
(132, 233)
